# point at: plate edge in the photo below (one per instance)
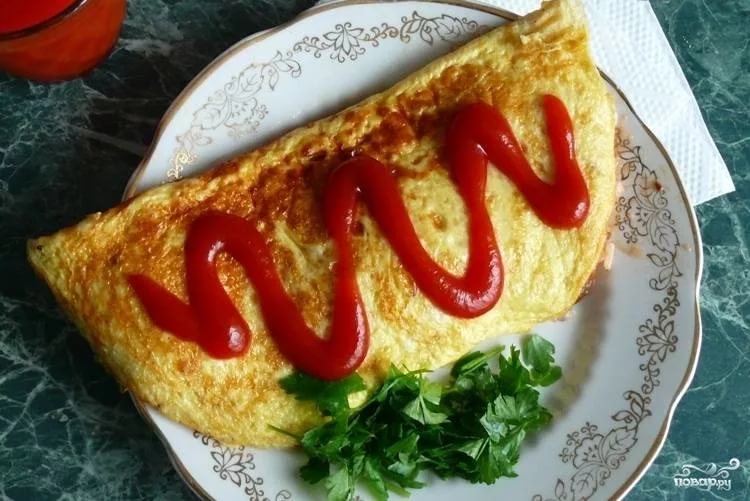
(687, 378)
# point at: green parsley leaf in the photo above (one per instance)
(512, 375)
(537, 353)
(512, 410)
(340, 486)
(425, 408)
(331, 397)
(474, 360)
(315, 470)
(374, 480)
(493, 423)
(407, 444)
(470, 427)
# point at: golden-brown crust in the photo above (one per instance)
(278, 187)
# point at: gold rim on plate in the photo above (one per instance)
(130, 190)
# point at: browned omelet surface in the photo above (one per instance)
(279, 187)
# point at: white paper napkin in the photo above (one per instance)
(630, 46)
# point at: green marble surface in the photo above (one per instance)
(66, 430)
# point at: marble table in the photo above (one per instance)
(68, 432)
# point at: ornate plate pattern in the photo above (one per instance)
(236, 107)
(628, 350)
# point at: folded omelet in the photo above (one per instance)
(278, 187)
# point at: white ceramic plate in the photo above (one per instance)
(630, 347)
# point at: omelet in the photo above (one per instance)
(279, 187)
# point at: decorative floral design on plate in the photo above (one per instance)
(642, 215)
(346, 42)
(236, 105)
(429, 29)
(235, 464)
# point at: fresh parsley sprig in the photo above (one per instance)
(470, 427)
